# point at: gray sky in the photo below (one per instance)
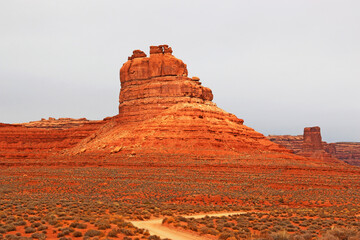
(279, 65)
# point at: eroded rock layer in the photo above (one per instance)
(310, 144)
(40, 139)
(163, 112)
(164, 117)
(348, 152)
(152, 84)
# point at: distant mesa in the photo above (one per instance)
(310, 144)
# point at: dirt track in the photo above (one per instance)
(156, 228)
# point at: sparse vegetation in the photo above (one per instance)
(99, 202)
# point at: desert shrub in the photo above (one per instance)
(127, 232)
(282, 235)
(60, 234)
(77, 234)
(204, 230)
(167, 213)
(182, 219)
(92, 233)
(78, 225)
(342, 234)
(113, 233)
(42, 227)
(193, 227)
(64, 238)
(226, 235)
(35, 225)
(40, 236)
(73, 224)
(20, 223)
(10, 227)
(154, 237)
(168, 220)
(81, 226)
(11, 237)
(30, 230)
(2, 230)
(103, 224)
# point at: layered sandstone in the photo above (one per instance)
(310, 144)
(163, 112)
(293, 143)
(313, 146)
(164, 116)
(40, 139)
(53, 123)
(152, 84)
(348, 152)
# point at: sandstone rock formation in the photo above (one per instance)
(163, 112)
(39, 139)
(310, 144)
(152, 84)
(61, 123)
(164, 116)
(312, 139)
(348, 152)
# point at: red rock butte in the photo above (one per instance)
(164, 115)
(163, 112)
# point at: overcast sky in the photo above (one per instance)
(279, 65)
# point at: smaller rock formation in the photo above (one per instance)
(312, 139)
(311, 145)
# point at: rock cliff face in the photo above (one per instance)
(152, 84)
(310, 144)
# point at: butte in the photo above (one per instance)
(164, 115)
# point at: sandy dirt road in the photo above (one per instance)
(156, 228)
